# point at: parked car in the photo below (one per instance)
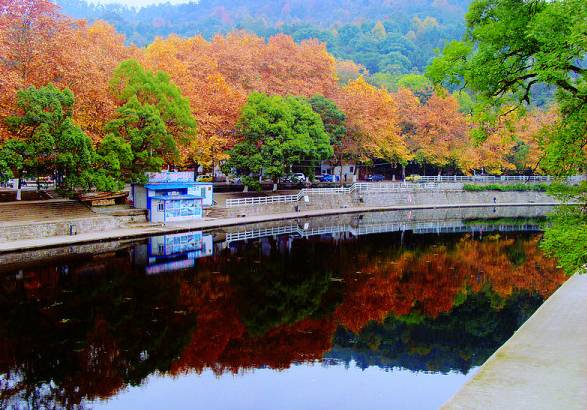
(413, 178)
(234, 180)
(205, 178)
(296, 178)
(329, 178)
(375, 178)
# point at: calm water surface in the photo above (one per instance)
(332, 320)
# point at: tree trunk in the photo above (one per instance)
(18, 189)
(274, 184)
(340, 176)
(403, 172)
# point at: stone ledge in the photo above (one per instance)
(543, 365)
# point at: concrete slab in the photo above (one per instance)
(151, 230)
(543, 365)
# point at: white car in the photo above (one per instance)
(298, 177)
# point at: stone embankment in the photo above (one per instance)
(369, 199)
(477, 220)
(56, 223)
(42, 219)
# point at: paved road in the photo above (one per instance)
(543, 365)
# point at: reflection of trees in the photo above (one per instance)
(431, 282)
(264, 310)
(281, 288)
(71, 337)
(435, 304)
(454, 341)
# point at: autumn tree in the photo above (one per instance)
(278, 133)
(408, 113)
(26, 33)
(372, 123)
(215, 103)
(89, 56)
(441, 133)
(39, 45)
(347, 70)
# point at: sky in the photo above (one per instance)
(140, 2)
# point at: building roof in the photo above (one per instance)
(175, 197)
(169, 185)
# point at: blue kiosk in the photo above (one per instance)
(173, 197)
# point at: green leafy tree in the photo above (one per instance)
(12, 159)
(334, 121)
(566, 236)
(278, 133)
(47, 141)
(511, 48)
(137, 142)
(130, 80)
(420, 85)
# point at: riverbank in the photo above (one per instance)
(543, 366)
(145, 230)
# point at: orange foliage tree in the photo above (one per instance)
(40, 46)
(372, 123)
(441, 133)
(515, 143)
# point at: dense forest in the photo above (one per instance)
(393, 37)
(210, 101)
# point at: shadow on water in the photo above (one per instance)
(86, 327)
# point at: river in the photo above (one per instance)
(359, 312)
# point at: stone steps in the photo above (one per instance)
(43, 211)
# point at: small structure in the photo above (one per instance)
(347, 173)
(173, 197)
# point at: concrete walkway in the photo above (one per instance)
(543, 365)
(141, 231)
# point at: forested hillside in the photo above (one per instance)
(392, 37)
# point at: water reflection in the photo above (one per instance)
(76, 332)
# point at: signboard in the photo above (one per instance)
(169, 176)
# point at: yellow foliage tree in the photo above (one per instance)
(372, 123)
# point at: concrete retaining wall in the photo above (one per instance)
(449, 198)
(315, 202)
(375, 199)
(36, 230)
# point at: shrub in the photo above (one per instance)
(506, 187)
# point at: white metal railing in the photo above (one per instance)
(358, 187)
(485, 178)
(423, 183)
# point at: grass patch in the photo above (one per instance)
(506, 187)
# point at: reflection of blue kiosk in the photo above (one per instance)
(173, 197)
(175, 252)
